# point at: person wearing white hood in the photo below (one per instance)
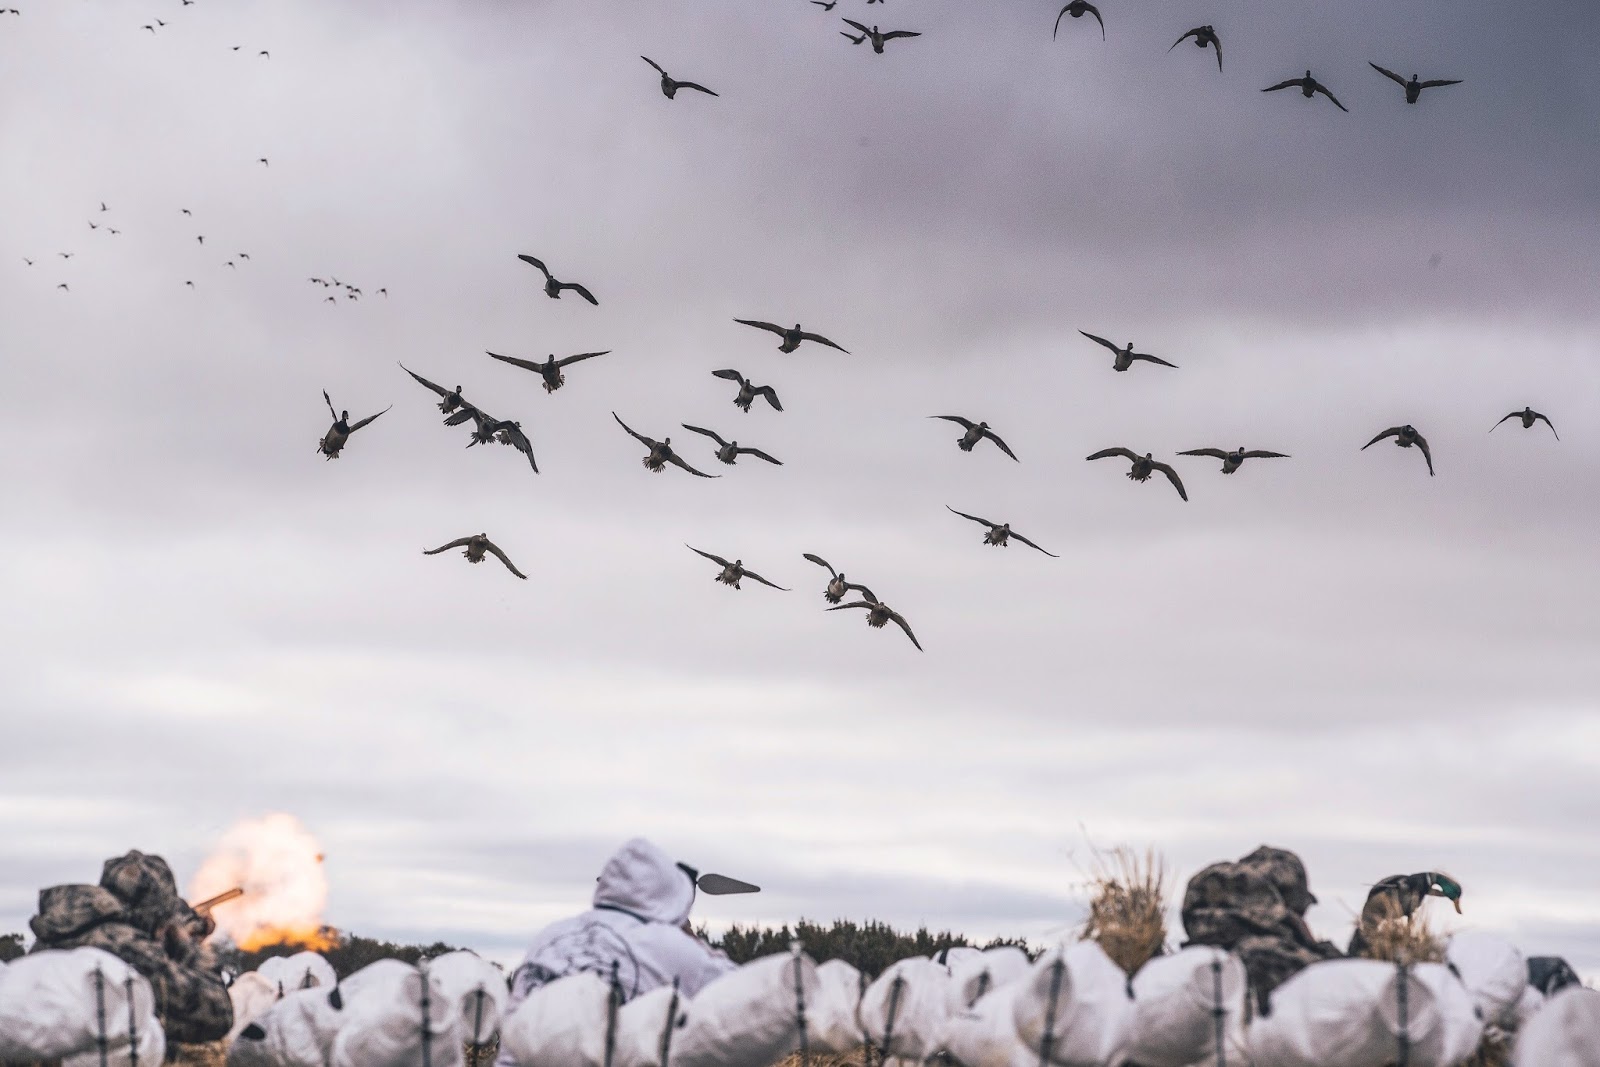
(639, 922)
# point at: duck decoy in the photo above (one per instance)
(729, 451)
(1000, 533)
(1405, 437)
(837, 586)
(879, 614)
(476, 546)
(452, 397)
(877, 36)
(661, 453)
(1231, 461)
(1308, 87)
(748, 391)
(1398, 897)
(732, 572)
(1203, 35)
(1077, 9)
(1126, 356)
(549, 369)
(671, 85)
(1143, 467)
(334, 440)
(552, 287)
(1528, 417)
(791, 337)
(976, 431)
(1415, 86)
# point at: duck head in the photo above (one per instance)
(1442, 885)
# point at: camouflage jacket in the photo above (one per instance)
(136, 914)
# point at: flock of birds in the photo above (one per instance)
(487, 428)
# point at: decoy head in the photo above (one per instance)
(1442, 885)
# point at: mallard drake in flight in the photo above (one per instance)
(1143, 467)
(671, 85)
(877, 36)
(661, 453)
(550, 369)
(749, 392)
(1203, 35)
(1000, 533)
(791, 338)
(452, 397)
(976, 431)
(837, 586)
(729, 451)
(1077, 9)
(1308, 87)
(552, 288)
(1405, 437)
(1398, 897)
(333, 441)
(1528, 417)
(879, 614)
(476, 546)
(1126, 356)
(1415, 86)
(1231, 461)
(733, 572)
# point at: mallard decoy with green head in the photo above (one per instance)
(1398, 897)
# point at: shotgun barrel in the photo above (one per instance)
(205, 906)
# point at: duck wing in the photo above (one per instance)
(1422, 443)
(329, 402)
(1440, 81)
(1018, 537)
(1318, 87)
(892, 34)
(1537, 417)
(819, 561)
(1106, 453)
(718, 560)
(354, 426)
(512, 567)
(863, 590)
(1192, 33)
(1100, 341)
(641, 438)
(1172, 476)
(1391, 75)
(525, 364)
(653, 63)
(759, 455)
(899, 620)
(991, 435)
(1215, 453)
(1216, 42)
(817, 337)
(768, 326)
(857, 25)
(1283, 85)
(677, 460)
(1261, 453)
(580, 290)
(536, 263)
(974, 518)
(581, 356)
(1393, 431)
(708, 433)
(965, 422)
(696, 86)
(460, 542)
(513, 436)
(1152, 359)
(465, 412)
(852, 604)
(730, 374)
(771, 394)
(763, 581)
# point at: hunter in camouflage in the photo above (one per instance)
(136, 914)
(1255, 908)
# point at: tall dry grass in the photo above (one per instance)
(1128, 905)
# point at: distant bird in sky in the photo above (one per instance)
(837, 586)
(791, 337)
(93, 225)
(331, 300)
(264, 52)
(112, 230)
(879, 614)
(152, 29)
(1126, 356)
(1308, 87)
(66, 255)
(334, 440)
(1203, 35)
(826, 5)
(186, 211)
(671, 85)
(263, 161)
(1077, 9)
(28, 261)
(201, 238)
(877, 37)
(1000, 533)
(1143, 466)
(552, 287)
(476, 546)
(385, 293)
(661, 453)
(1405, 437)
(729, 451)
(103, 206)
(189, 284)
(63, 285)
(1528, 417)
(976, 431)
(1415, 86)
(244, 255)
(230, 263)
(549, 369)
(1231, 461)
(749, 391)
(733, 572)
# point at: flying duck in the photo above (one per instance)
(452, 397)
(976, 431)
(1143, 467)
(879, 614)
(1126, 356)
(1415, 86)
(1077, 9)
(749, 392)
(837, 587)
(552, 288)
(1528, 417)
(508, 432)
(1405, 437)
(1309, 87)
(671, 85)
(733, 572)
(729, 451)
(476, 546)
(1231, 461)
(877, 37)
(999, 533)
(791, 338)
(661, 453)
(334, 440)
(1203, 35)
(550, 369)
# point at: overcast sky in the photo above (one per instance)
(1334, 653)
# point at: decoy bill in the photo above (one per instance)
(1231, 461)
(452, 397)
(837, 586)
(732, 572)
(1143, 467)
(1126, 356)
(671, 85)
(877, 36)
(976, 431)
(1528, 417)
(333, 441)
(1000, 533)
(1308, 87)
(549, 369)
(553, 288)
(1415, 86)
(880, 614)
(1203, 36)
(791, 337)
(1405, 437)
(729, 451)
(748, 391)
(1077, 9)
(476, 546)
(661, 453)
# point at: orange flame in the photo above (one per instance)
(315, 938)
(279, 865)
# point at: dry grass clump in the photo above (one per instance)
(211, 1054)
(1495, 1051)
(858, 1058)
(1396, 938)
(1128, 907)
